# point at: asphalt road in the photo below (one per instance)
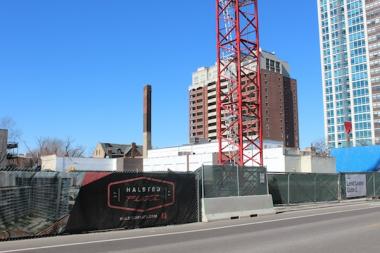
(351, 228)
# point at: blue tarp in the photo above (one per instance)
(357, 159)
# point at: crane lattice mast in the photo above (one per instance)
(239, 115)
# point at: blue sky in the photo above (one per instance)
(76, 68)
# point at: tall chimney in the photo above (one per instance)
(3, 147)
(147, 120)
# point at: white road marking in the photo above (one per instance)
(181, 232)
(327, 207)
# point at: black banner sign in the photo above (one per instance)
(133, 201)
(38, 204)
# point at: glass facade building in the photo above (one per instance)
(350, 59)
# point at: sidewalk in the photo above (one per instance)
(310, 206)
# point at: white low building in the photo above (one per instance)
(192, 157)
(276, 159)
(65, 164)
(56, 163)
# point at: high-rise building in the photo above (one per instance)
(350, 57)
(279, 100)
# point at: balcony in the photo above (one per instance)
(12, 145)
(11, 156)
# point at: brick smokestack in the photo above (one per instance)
(147, 120)
(3, 147)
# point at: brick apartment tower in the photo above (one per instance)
(279, 100)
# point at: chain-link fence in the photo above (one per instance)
(371, 187)
(228, 181)
(34, 202)
(295, 188)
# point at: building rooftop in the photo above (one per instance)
(121, 149)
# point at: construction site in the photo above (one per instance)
(235, 155)
(243, 155)
(242, 111)
(240, 181)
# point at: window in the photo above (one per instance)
(278, 67)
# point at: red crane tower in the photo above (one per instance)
(239, 113)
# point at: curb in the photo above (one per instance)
(311, 206)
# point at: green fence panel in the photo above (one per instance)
(295, 188)
(302, 188)
(252, 181)
(327, 187)
(228, 181)
(342, 178)
(219, 181)
(370, 185)
(377, 184)
(278, 188)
